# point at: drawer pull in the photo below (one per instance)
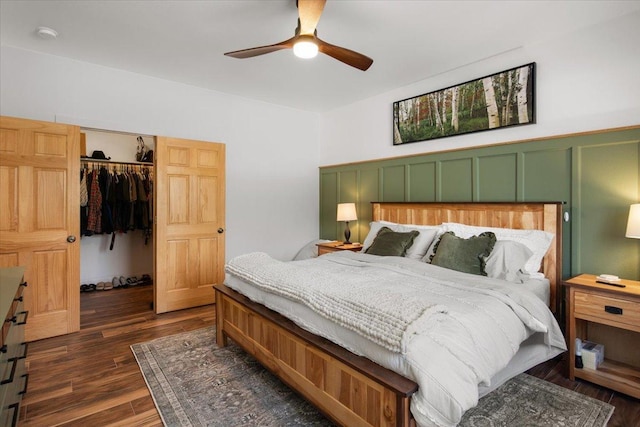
(20, 298)
(26, 349)
(16, 411)
(613, 310)
(26, 314)
(3, 349)
(25, 284)
(26, 381)
(13, 360)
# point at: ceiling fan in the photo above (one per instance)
(305, 43)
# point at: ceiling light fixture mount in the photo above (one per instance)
(47, 33)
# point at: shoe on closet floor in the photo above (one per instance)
(132, 281)
(115, 282)
(123, 282)
(108, 286)
(100, 286)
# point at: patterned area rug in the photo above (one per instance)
(194, 383)
(527, 401)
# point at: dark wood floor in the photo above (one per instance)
(91, 378)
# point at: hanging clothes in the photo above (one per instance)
(84, 202)
(84, 194)
(116, 201)
(94, 221)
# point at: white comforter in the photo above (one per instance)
(453, 331)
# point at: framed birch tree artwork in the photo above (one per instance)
(491, 102)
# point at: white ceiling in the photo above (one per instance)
(184, 41)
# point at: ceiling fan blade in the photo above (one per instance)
(309, 12)
(345, 55)
(261, 50)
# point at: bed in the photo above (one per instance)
(354, 390)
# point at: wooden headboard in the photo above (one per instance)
(545, 216)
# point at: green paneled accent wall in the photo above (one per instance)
(328, 209)
(455, 181)
(392, 182)
(607, 178)
(422, 181)
(496, 178)
(550, 169)
(597, 175)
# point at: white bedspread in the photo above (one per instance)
(453, 331)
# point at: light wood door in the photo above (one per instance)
(39, 193)
(190, 222)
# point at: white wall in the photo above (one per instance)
(272, 151)
(586, 80)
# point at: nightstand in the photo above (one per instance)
(325, 248)
(608, 315)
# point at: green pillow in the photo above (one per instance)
(466, 255)
(391, 243)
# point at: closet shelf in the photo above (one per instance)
(113, 162)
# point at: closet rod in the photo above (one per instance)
(113, 162)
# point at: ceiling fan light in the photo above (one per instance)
(305, 49)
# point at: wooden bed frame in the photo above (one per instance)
(349, 389)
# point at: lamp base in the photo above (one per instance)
(347, 234)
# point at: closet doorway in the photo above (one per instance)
(116, 212)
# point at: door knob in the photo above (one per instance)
(71, 239)
(220, 230)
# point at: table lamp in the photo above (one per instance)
(346, 213)
(633, 224)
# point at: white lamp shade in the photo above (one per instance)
(633, 224)
(347, 212)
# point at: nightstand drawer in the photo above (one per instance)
(605, 307)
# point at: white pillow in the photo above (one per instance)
(420, 244)
(537, 241)
(374, 227)
(432, 247)
(506, 259)
(310, 250)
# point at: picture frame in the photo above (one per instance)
(491, 102)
